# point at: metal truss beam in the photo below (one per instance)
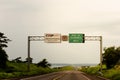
(87, 38)
(36, 38)
(92, 38)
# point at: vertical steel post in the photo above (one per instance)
(101, 53)
(28, 59)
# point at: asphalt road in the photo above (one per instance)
(65, 75)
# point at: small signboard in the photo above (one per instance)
(76, 38)
(52, 38)
(64, 38)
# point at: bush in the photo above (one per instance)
(112, 74)
(91, 70)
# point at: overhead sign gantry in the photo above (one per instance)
(58, 38)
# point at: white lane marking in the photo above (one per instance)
(85, 77)
(58, 77)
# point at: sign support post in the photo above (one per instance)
(32, 38)
(96, 38)
(101, 58)
(28, 59)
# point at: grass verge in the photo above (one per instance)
(112, 74)
(18, 70)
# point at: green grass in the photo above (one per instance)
(93, 70)
(20, 70)
(90, 70)
(112, 74)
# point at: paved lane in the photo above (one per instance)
(73, 75)
(64, 75)
(50, 76)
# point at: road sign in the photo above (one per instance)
(64, 38)
(76, 38)
(52, 38)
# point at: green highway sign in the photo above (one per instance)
(76, 38)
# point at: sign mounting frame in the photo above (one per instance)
(87, 38)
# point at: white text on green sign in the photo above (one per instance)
(76, 38)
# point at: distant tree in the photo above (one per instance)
(3, 56)
(17, 60)
(44, 63)
(111, 56)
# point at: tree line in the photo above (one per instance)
(4, 57)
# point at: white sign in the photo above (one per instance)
(52, 38)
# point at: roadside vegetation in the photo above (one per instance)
(17, 68)
(112, 74)
(111, 67)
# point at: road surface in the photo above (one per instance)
(65, 75)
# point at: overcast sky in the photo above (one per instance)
(22, 18)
